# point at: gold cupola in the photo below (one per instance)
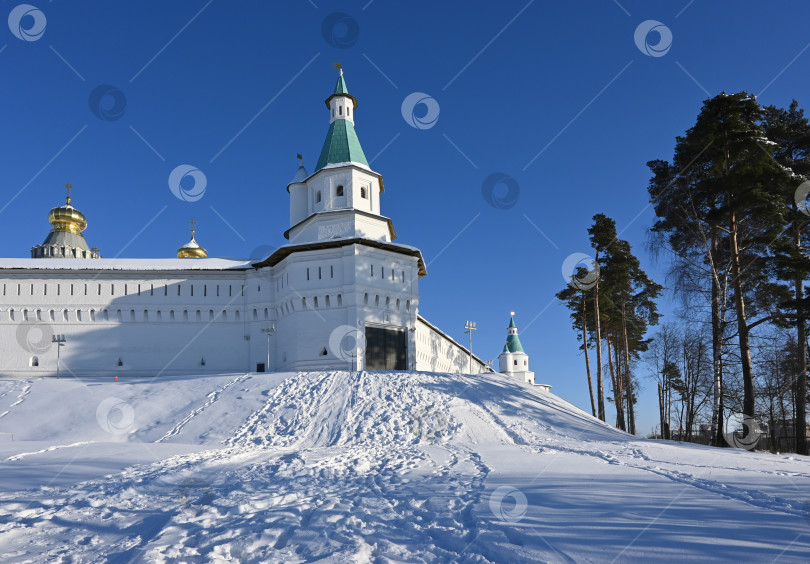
(65, 239)
(192, 249)
(67, 218)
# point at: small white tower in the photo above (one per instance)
(513, 360)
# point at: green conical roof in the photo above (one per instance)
(513, 341)
(341, 145)
(340, 87)
(513, 344)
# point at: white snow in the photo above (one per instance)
(369, 467)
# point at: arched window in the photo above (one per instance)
(146, 315)
(255, 314)
(348, 110)
(318, 196)
(339, 190)
(236, 315)
(266, 313)
(304, 303)
(408, 305)
(340, 300)
(377, 300)
(340, 110)
(171, 315)
(397, 304)
(198, 315)
(327, 301)
(363, 192)
(34, 361)
(365, 299)
(315, 302)
(210, 315)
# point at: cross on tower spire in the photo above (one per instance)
(68, 186)
(193, 223)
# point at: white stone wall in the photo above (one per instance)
(169, 322)
(438, 352)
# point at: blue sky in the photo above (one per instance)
(555, 95)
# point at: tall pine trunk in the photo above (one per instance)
(661, 408)
(801, 368)
(717, 346)
(600, 385)
(616, 378)
(587, 356)
(631, 416)
(744, 334)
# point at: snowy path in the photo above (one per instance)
(370, 467)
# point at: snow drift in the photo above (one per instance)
(382, 467)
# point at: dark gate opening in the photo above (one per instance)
(386, 349)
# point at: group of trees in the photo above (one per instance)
(613, 303)
(732, 219)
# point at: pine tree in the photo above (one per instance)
(790, 130)
(722, 180)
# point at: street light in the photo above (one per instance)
(60, 341)
(269, 331)
(470, 327)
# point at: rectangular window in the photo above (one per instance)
(230, 291)
(45, 290)
(372, 270)
(151, 289)
(112, 289)
(205, 290)
(139, 289)
(85, 289)
(331, 271)
(178, 288)
(307, 274)
(71, 289)
(192, 290)
(126, 290)
(319, 273)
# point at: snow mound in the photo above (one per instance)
(359, 467)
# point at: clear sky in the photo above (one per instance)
(557, 98)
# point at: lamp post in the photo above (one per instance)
(269, 331)
(470, 327)
(60, 341)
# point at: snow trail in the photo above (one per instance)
(406, 467)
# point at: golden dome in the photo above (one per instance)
(192, 249)
(67, 218)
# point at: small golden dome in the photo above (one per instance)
(67, 218)
(192, 249)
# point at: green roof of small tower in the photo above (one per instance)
(341, 144)
(512, 340)
(340, 87)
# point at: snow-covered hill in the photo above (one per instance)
(369, 467)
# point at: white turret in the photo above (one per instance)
(513, 360)
(341, 199)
